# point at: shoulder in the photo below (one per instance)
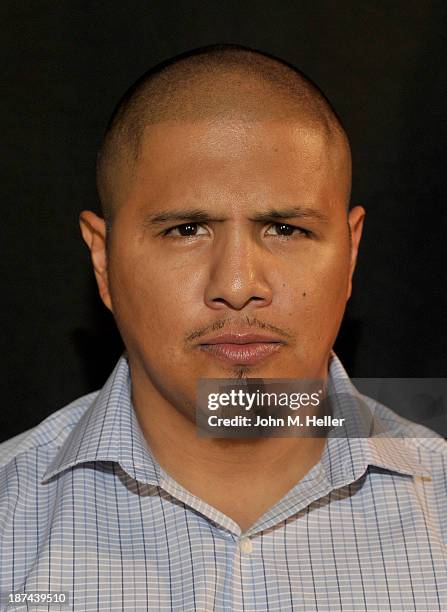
(47, 436)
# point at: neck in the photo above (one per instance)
(260, 470)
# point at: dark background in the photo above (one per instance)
(383, 65)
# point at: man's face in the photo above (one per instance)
(174, 285)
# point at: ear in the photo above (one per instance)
(93, 230)
(356, 217)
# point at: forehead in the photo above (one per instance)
(226, 137)
(252, 158)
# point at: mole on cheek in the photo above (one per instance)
(304, 294)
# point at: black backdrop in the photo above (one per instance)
(383, 64)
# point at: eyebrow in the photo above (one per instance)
(197, 215)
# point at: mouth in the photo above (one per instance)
(242, 354)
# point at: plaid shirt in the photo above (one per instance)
(86, 509)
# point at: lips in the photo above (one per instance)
(240, 338)
(243, 348)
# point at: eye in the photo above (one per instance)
(186, 230)
(286, 230)
(189, 230)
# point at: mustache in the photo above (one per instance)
(237, 325)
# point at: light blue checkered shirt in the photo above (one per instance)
(86, 509)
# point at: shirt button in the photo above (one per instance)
(245, 545)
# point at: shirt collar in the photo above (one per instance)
(366, 438)
(109, 431)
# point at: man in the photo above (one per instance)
(226, 250)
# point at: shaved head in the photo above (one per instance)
(208, 84)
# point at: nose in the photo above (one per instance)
(238, 273)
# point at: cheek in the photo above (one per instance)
(318, 292)
(148, 301)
